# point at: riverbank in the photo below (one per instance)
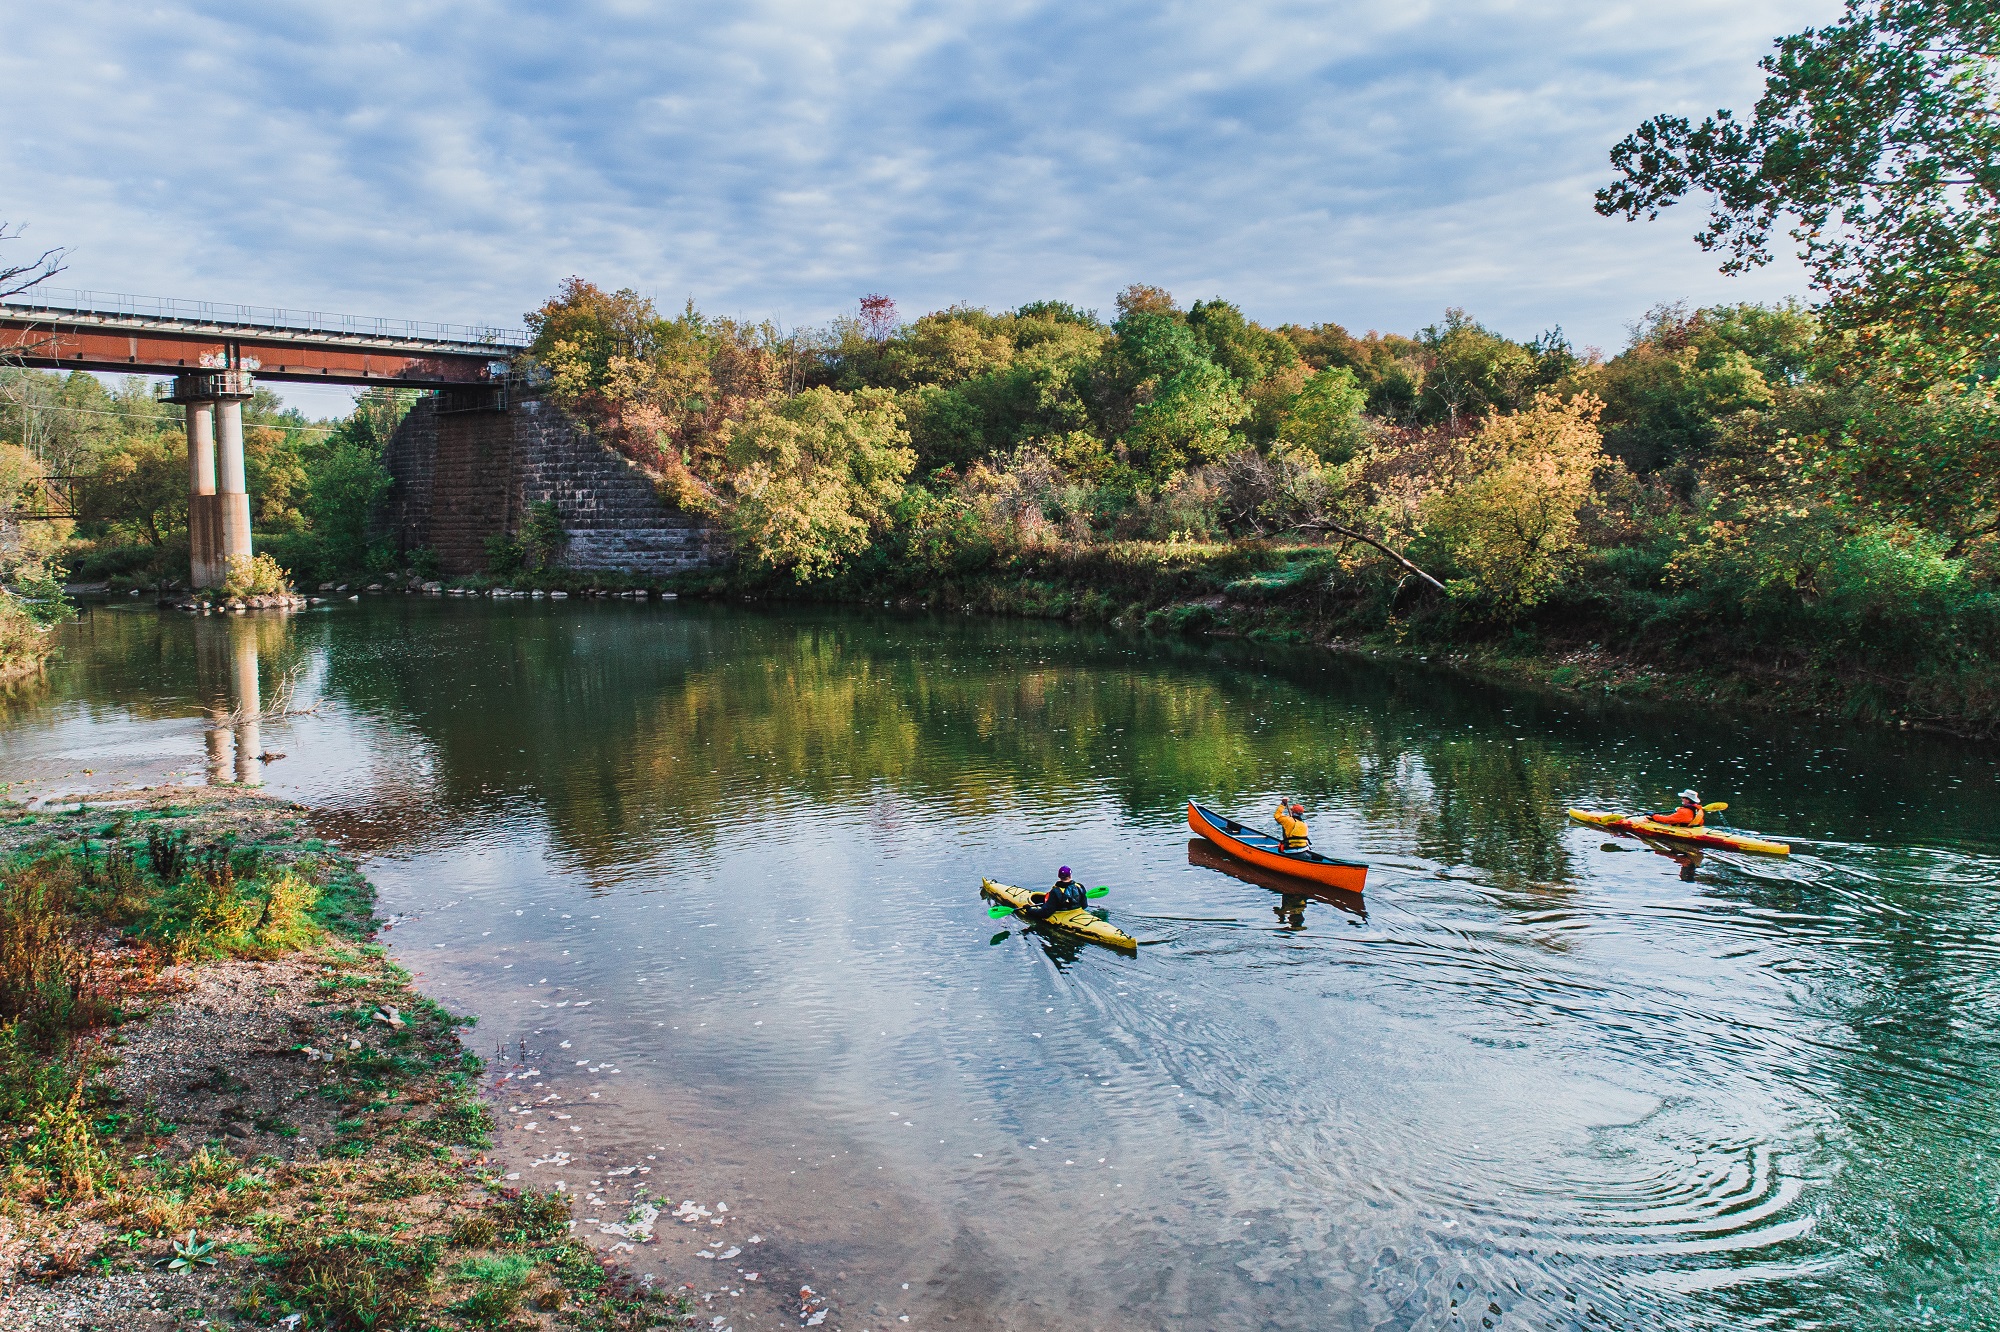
(1609, 643)
(223, 1102)
(1606, 641)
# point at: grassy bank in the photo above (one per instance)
(1910, 665)
(219, 1103)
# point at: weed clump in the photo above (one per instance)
(348, 1280)
(534, 1218)
(62, 1146)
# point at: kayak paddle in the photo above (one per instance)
(999, 911)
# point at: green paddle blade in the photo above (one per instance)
(1097, 892)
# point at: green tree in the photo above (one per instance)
(1469, 371)
(1325, 419)
(1878, 136)
(1248, 351)
(1669, 394)
(813, 476)
(1178, 407)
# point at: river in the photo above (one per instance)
(708, 876)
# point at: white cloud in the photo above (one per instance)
(1360, 163)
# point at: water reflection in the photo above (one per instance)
(1294, 894)
(228, 650)
(736, 856)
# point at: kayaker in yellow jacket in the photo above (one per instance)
(1293, 822)
(1065, 894)
(1689, 815)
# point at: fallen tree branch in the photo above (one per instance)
(1341, 529)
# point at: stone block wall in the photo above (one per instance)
(462, 477)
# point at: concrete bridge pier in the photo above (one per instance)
(232, 490)
(218, 496)
(204, 517)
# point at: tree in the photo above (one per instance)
(1325, 418)
(878, 317)
(1469, 371)
(1879, 137)
(813, 476)
(140, 481)
(1668, 395)
(1513, 526)
(1177, 407)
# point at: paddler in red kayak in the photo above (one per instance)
(1292, 822)
(1689, 815)
(1066, 894)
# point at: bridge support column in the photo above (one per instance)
(205, 562)
(232, 491)
(218, 498)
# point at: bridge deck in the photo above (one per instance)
(83, 330)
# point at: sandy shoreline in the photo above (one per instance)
(308, 1103)
(241, 1059)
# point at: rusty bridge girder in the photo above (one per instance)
(160, 337)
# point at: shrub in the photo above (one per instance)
(475, 1230)
(1513, 526)
(257, 576)
(24, 644)
(44, 965)
(542, 536)
(62, 1146)
(504, 556)
(212, 912)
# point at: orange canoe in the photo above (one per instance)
(1267, 852)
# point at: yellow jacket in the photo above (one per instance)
(1295, 831)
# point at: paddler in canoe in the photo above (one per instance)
(1292, 824)
(1065, 894)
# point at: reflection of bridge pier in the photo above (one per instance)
(227, 659)
(218, 493)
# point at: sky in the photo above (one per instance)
(1365, 164)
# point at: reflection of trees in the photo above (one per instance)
(649, 730)
(152, 664)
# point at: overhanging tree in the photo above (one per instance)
(1878, 137)
(1877, 142)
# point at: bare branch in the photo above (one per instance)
(17, 278)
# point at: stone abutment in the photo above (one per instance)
(463, 477)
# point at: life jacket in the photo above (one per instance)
(1687, 816)
(1295, 831)
(1066, 896)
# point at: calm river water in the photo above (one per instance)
(710, 877)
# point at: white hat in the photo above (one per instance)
(1691, 795)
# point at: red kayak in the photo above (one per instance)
(1268, 852)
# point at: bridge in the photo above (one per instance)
(215, 353)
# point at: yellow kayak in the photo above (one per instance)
(1080, 923)
(1642, 826)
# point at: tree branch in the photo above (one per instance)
(17, 278)
(1341, 529)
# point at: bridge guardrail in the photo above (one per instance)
(221, 315)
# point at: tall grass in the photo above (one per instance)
(215, 900)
